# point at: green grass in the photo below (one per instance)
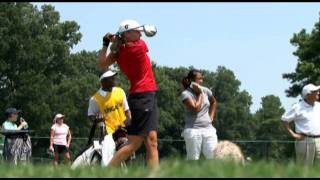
(169, 168)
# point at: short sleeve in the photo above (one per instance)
(184, 95)
(93, 108)
(53, 127)
(125, 102)
(144, 45)
(208, 92)
(5, 126)
(67, 127)
(290, 115)
(9, 126)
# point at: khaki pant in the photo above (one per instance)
(308, 150)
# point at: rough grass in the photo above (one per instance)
(168, 168)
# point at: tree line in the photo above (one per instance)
(40, 75)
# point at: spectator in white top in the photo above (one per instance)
(306, 117)
(60, 139)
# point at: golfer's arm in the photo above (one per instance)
(128, 114)
(194, 105)
(69, 137)
(51, 137)
(213, 107)
(105, 60)
(93, 110)
(20, 127)
(286, 125)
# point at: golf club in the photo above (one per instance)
(149, 30)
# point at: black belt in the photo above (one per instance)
(312, 136)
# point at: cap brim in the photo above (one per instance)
(59, 116)
(317, 88)
(139, 29)
(133, 29)
(102, 77)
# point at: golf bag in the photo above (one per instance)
(101, 151)
(17, 146)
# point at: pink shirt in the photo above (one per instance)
(60, 134)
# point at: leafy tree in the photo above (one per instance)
(34, 48)
(40, 75)
(308, 53)
(270, 128)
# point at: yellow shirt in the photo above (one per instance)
(112, 108)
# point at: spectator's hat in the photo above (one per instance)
(12, 111)
(107, 74)
(58, 116)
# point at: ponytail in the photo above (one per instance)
(186, 82)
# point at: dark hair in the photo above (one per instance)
(186, 81)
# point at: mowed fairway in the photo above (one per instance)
(169, 168)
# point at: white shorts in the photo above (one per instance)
(197, 139)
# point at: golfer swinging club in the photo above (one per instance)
(130, 53)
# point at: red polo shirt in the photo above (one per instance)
(135, 63)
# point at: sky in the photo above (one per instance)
(251, 39)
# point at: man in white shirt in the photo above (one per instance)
(306, 116)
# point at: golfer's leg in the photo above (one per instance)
(56, 159)
(123, 153)
(193, 144)
(151, 143)
(67, 157)
(209, 143)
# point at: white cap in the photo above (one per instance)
(57, 117)
(127, 25)
(109, 73)
(309, 88)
